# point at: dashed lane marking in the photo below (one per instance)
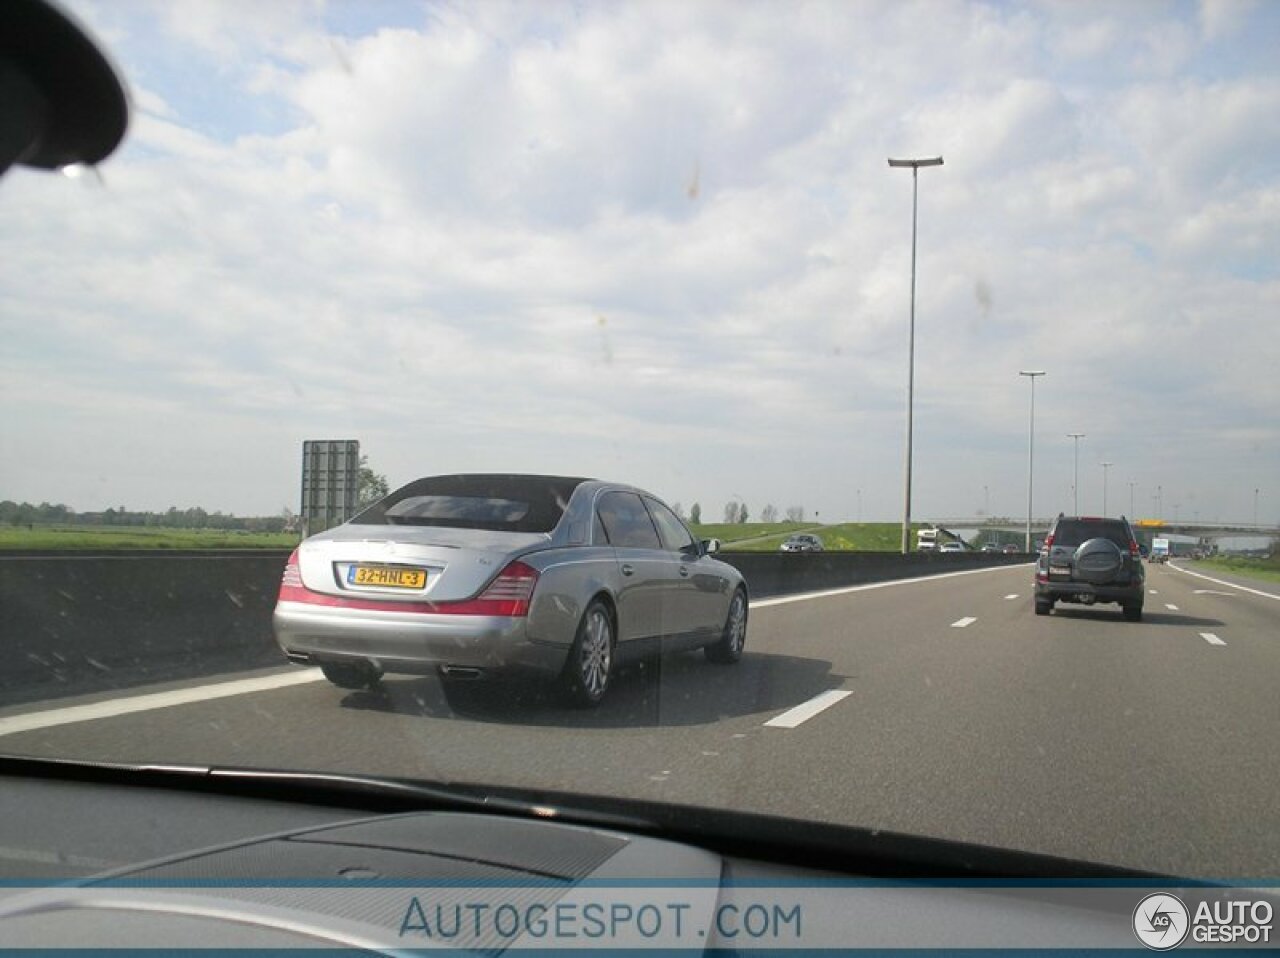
(807, 710)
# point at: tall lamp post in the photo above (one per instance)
(1031, 447)
(1131, 485)
(1075, 475)
(1105, 466)
(914, 165)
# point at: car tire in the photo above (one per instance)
(351, 675)
(1133, 613)
(589, 667)
(1044, 607)
(733, 637)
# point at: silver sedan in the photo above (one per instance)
(472, 574)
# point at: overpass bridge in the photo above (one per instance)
(1146, 529)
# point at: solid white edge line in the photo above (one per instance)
(807, 710)
(848, 589)
(50, 718)
(1211, 638)
(964, 623)
(1233, 585)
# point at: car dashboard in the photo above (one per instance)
(248, 865)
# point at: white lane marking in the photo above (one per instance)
(1211, 638)
(846, 590)
(802, 713)
(1171, 607)
(964, 623)
(1153, 592)
(111, 708)
(1212, 592)
(1232, 585)
(1012, 595)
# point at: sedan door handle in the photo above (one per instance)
(627, 569)
(684, 571)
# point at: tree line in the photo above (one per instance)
(25, 514)
(737, 513)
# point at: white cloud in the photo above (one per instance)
(473, 243)
(1222, 18)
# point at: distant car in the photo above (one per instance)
(471, 574)
(990, 547)
(801, 542)
(1091, 559)
(952, 546)
(1010, 549)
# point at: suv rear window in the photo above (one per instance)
(1071, 533)
(497, 503)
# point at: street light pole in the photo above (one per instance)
(1075, 480)
(1031, 447)
(1255, 508)
(1131, 485)
(911, 340)
(1105, 467)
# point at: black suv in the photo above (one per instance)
(1090, 560)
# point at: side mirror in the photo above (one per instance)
(710, 546)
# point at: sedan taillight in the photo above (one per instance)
(291, 581)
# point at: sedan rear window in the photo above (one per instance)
(494, 502)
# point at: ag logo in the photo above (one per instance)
(1161, 921)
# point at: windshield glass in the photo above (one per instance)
(367, 282)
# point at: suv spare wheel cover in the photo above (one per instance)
(1098, 560)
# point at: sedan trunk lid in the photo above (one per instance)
(411, 564)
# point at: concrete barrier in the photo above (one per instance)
(73, 623)
(776, 573)
(85, 622)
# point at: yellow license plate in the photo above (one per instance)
(396, 578)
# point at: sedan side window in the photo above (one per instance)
(627, 523)
(674, 535)
(599, 537)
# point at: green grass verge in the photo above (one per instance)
(1267, 570)
(139, 537)
(731, 532)
(846, 537)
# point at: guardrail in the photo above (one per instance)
(79, 622)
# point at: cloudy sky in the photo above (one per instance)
(659, 242)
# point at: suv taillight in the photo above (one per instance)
(1048, 540)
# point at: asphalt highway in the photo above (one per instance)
(939, 707)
